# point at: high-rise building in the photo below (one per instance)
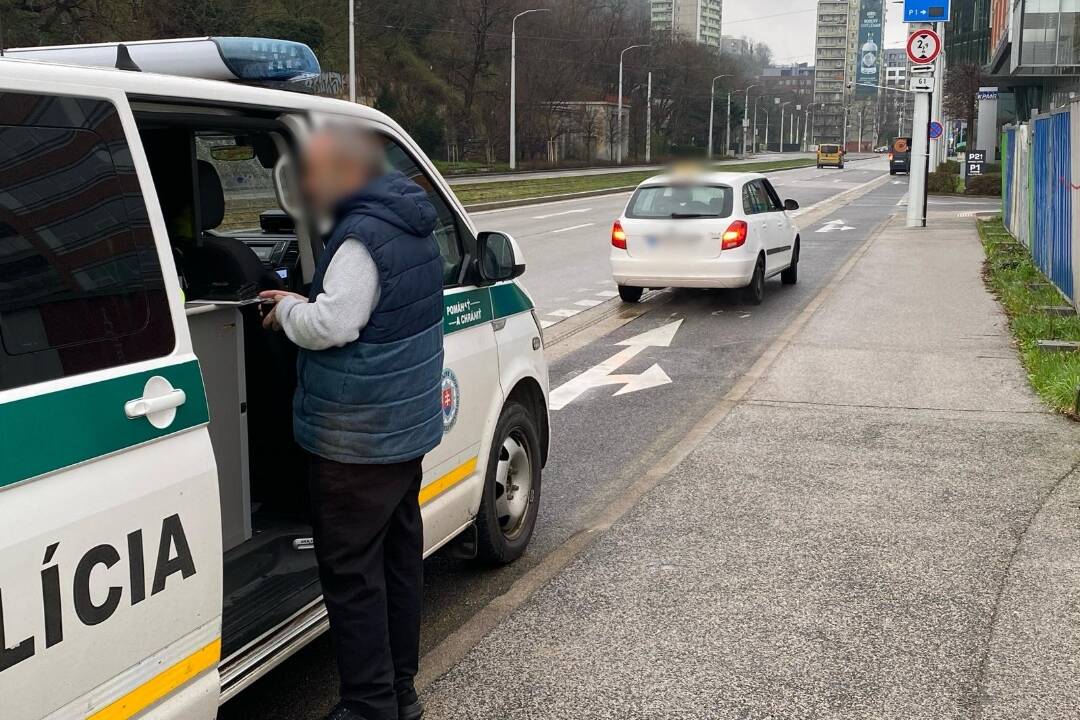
(835, 58)
(697, 20)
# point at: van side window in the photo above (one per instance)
(81, 288)
(448, 230)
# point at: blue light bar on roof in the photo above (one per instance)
(255, 59)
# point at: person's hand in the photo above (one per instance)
(270, 319)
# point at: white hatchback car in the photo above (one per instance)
(708, 230)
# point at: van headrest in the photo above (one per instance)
(211, 197)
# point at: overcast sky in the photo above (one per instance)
(787, 26)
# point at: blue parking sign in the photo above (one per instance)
(927, 10)
(936, 130)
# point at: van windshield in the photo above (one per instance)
(680, 202)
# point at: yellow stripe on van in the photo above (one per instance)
(447, 481)
(161, 684)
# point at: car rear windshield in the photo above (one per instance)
(681, 202)
(829, 149)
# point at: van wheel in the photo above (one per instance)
(840, 166)
(754, 293)
(790, 276)
(507, 516)
(630, 294)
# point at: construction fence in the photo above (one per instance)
(1039, 177)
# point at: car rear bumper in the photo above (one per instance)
(719, 272)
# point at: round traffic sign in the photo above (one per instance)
(923, 47)
(936, 130)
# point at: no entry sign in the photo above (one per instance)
(923, 47)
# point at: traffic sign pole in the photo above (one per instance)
(923, 47)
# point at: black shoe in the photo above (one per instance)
(409, 706)
(343, 713)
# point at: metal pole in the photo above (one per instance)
(754, 143)
(513, 84)
(727, 136)
(920, 156)
(746, 118)
(618, 120)
(648, 122)
(352, 51)
(712, 108)
(513, 94)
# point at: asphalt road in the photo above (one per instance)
(566, 243)
(602, 442)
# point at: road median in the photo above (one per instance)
(496, 195)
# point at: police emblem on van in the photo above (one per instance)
(451, 395)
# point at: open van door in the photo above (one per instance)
(110, 537)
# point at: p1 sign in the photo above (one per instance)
(927, 10)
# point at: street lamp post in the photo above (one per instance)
(782, 106)
(753, 145)
(619, 133)
(352, 51)
(712, 107)
(727, 135)
(648, 122)
(766, 111)
(746, 116)
(513, 84)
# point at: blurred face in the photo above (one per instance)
(329, 172)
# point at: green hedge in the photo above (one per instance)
(989, 184)
(942, 182)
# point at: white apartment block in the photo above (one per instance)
(697, 20)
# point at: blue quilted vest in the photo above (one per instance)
(377, 400)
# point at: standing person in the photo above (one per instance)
(367, 408)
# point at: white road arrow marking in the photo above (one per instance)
(834, 226)
(602, 374)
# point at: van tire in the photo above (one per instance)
(630, 294)
(515, 432)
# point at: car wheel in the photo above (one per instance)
(630, 294)
(791, 275)
(819, 166)
(755, 291)
(840, 166)
(511, 498)
(892, 172)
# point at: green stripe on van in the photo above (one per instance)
(53, 431)
(463, 310)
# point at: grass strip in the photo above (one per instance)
(1020, 287)
(473, 194)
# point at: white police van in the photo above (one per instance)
(155, 553)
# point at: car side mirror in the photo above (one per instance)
(498, 257)
(790, 205)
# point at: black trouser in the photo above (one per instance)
(369, 540)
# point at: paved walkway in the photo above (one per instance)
(886, 526)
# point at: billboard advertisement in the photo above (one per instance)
(868, 68)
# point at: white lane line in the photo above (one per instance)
(563, 313)
(607, 293)
(564, 212)
(544, 324)
(589, 303)
(573, 227)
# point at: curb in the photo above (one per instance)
(522, 202)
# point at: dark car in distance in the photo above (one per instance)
(900, 156)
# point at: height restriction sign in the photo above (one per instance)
(923, 47)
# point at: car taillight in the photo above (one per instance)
(618, 236)
(890, 157)
(734, 236)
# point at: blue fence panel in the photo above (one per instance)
(1008, 166)
(1061, 203)
(1040, 151)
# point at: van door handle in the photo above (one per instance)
(158, 403)
(141, 407)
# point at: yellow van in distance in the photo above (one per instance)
(830, 155)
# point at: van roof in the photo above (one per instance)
(30, 75)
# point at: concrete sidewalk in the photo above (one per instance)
(885, 527)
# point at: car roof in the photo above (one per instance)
(708, 178)
(161, 87)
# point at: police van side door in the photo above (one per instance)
(110, 538)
